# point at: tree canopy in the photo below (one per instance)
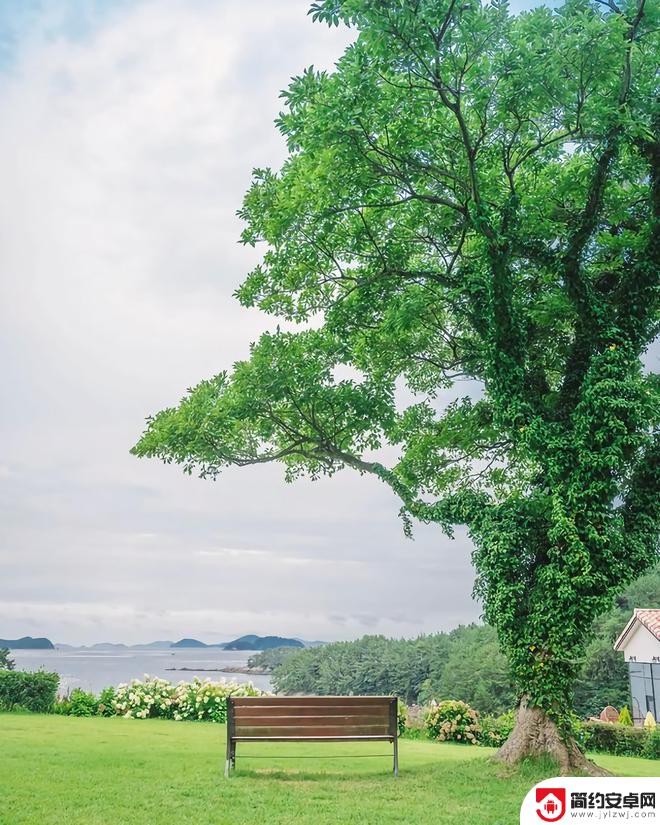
(470, 194)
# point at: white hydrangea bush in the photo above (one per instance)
(145, 698)
(206, 700)
(200, 699)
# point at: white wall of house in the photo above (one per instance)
(641, 645)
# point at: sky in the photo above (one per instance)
(129, 132)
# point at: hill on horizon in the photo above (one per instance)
(28, 643)
(250, 641)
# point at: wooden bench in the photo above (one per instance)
(311, 719)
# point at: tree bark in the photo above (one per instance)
(536, 734)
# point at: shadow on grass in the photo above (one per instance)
(344, 769)
(530, 771)
(347, 773)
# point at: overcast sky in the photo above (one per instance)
(129, 131)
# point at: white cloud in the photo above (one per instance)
(124, 155)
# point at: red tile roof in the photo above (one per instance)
(650, 618)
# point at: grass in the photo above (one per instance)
(95, 771)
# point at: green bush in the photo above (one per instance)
(609, 737)
(62, 706)
(106, 702)
(495, 730)
(82, 703)
(34, 691)
(452, 721)
(402, 716)
(414, 733)
(625, 718)
(651, 748)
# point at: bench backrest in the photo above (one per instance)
(280, 718)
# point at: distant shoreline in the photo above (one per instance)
(94, 670)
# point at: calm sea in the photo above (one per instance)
(95, 669)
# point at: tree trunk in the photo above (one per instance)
(535, 734)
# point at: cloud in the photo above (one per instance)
(128, 141)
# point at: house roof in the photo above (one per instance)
(649, 617)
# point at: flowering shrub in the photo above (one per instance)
(142, 699)
(199, 699)
(452, 721)
(207, 700)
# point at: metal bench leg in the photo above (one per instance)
(231, 745)
(228, 760)
(396, 756)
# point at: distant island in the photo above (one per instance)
(191, 643)
(116, 646)
(262, 643)
(27, 643)
(249, 642)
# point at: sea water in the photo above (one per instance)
(95, 669)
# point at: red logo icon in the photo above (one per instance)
(551, 803)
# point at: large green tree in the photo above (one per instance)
(469, 194)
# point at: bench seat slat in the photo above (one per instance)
(242, 712)
(306, 701)
(312, 730)
(318, 719)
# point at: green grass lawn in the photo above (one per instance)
(73, 771)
